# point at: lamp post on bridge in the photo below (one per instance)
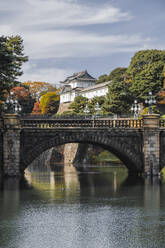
(151, 137)
(86, 111)
(11, 105)
(135, 109)
(97, 109)
(150, 100)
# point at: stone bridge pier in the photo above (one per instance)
(151, 144)
(11, 145)
(16, 139)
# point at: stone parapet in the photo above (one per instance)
(11, 121)
(151, 121)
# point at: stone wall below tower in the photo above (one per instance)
(70, 151)
(63, 107)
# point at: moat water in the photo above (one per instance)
(90, 207)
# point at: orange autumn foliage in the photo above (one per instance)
(36, 109)
(20, 92)
(38, 87)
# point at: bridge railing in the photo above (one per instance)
(77, 123)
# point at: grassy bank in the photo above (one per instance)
(105, 157)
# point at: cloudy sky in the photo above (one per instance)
(66, 36)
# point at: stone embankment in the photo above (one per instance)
(63, 107)
(64, 154)
(75, 153)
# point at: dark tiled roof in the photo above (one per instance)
(66, 88)
(83, 75)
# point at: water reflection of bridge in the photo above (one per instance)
(69, 181)
(70, 178)
(25, 203)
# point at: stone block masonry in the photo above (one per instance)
(11, 153)
(70, 151)
(11, 145)
(151, 145)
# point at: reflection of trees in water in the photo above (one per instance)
(57, 182)
(101, 181)
(109, 186)
(64, 182)
(91, 180)
(144, 198)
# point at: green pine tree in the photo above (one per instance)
(145, 73)
(11, 60)
(118, 98)
(78, 105)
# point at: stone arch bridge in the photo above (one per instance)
(139, 144)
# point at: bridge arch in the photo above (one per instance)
(124, 151)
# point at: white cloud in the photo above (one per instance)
(49, 29)
(50, 75)
(5, 30)
(43, 23)
(37, 14)
(64, 13)
(69, 43)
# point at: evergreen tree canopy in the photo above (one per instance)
(145, 73)
(118, 73)
(79, 104)
(118, 98)
(112, 75)
(102, 79)
(11, 60)
(92, 103)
